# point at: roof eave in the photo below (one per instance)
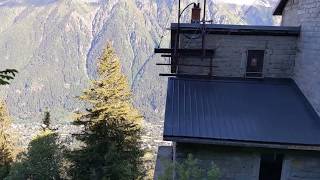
(239, 29)
(247, 144)
(280, 7)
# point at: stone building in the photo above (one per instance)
(305, 13)
(246, 97)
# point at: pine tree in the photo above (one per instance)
(46, 121)
(43, 158)
(6, 155)
(7, 75)
(112, 132)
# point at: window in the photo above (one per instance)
(255, 63)
(271, 166)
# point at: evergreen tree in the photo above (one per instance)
(43, 159)
(7, 75)
(46, 121)
(6, 155)
(112, 132)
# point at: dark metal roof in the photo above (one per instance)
(238, 29)
(279, 9)
(265, 113)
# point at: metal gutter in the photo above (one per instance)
(239, 29)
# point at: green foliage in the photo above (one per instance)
(43, 159)
(7, 75)
(213, 172)
(46, 120)
(112, 133)
(6, 155)
(189, 169)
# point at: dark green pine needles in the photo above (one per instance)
(7, 75)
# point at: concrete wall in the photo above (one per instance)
(291, 17)
(232, 164)
(301, 167)
(164, 157)
(230, 57)
(307, 70)
(244, 164)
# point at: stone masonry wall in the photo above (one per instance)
(230, 57)
(307, 70)
(232, 164)
(244, 164)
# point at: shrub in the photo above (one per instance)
(189, 169)
(43, 158)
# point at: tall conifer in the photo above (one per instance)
(111, 135)
(6, 155)
(43, 158)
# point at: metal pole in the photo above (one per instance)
(177, 37)
(203, 27)
(179, 9)
(177, 69)
(178, 31)
(204, 11)
(204, 32)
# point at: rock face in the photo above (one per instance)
(55, 45)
